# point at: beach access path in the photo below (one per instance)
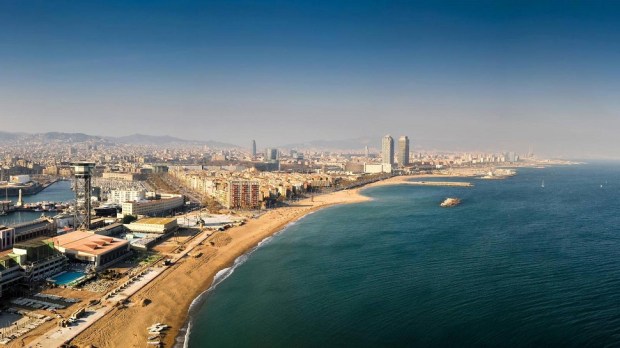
(59, 335)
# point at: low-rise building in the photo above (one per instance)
(370, 168)
(96, 250)
(38, 259)
(121, 176)
(154, 225)
(25, 231)
(10, 273)
(28, 262)
(154, 206)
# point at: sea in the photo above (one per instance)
(514, 265)
(59, 191)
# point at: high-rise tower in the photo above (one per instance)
(253, 148)
(271, 154)
(387, 150)
(403, 151)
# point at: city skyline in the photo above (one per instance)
(457, 76)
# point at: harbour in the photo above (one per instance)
(53, 198)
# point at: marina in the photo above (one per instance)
(54, 198)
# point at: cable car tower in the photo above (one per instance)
(83, 172)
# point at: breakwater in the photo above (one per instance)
(440, 183)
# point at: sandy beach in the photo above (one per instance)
(172, 292)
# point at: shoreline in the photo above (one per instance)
(196, 275)
(184, 285)
(183, 334)
(126, 327)
(182, 338)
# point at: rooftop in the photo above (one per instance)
(88, 242)
(155, 221)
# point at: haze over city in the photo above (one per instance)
(294, 173)
(480, 75)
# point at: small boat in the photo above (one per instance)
(542, 184)
(450, 202)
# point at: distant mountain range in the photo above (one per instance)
(143, 139)
(134, 139)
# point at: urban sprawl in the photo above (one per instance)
(133, 206)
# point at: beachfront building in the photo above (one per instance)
(243, 194)
(403, 151)
(167, 203)
(387, 150)
(29, 262)
(376, 168)
(93, 249)
(153, 225)
(38, 259)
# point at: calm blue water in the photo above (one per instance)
(514, 265)
(67, 277)
(57, 192)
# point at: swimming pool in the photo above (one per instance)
(65, 278)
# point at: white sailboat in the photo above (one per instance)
(542, 184)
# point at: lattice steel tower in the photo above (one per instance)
(83, 172)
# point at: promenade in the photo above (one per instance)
(60, 335)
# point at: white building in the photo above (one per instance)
(122, 196)
(377, 168)
(153, 207)
(19, 179)
(153, 225)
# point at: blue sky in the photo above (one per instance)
(471, 75)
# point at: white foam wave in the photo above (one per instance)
(220, 276)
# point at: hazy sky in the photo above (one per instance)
(487, 75)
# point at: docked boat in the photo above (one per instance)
(450, 202)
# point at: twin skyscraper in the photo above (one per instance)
(387, 150)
